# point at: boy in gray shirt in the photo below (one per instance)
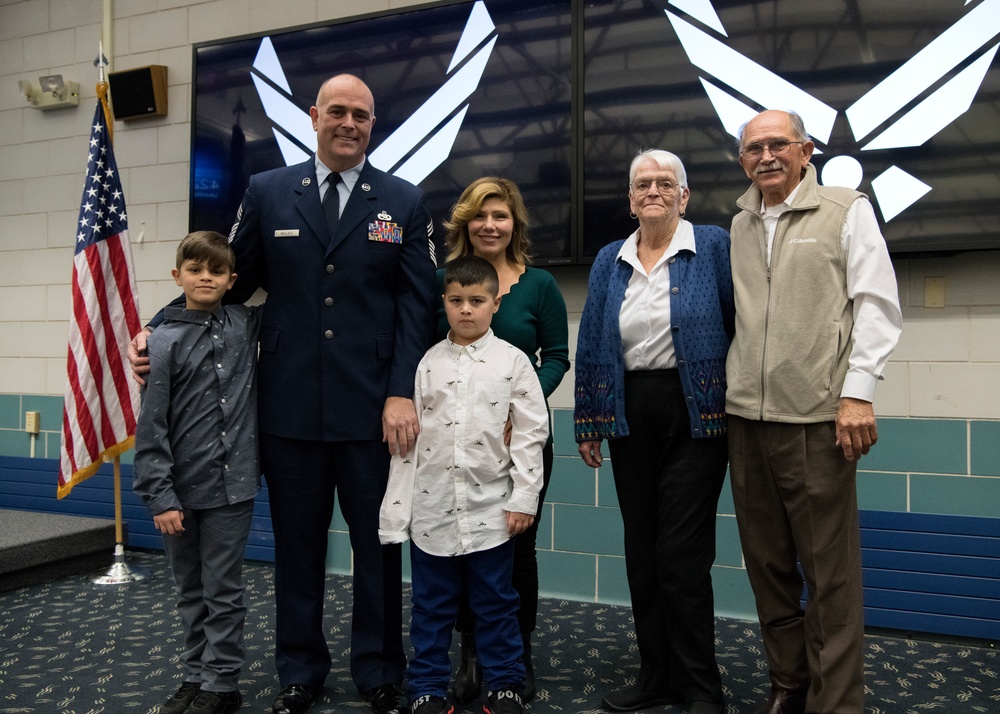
(197, 466)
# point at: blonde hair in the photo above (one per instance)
(457, 240)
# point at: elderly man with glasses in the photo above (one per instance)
(817, 315)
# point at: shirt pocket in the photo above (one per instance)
(491, 402)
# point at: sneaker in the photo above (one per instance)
(215, 703)
(179, 701)
(429, 704)
(506, 701)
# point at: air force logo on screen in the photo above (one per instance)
(423, 141)
(895, 189)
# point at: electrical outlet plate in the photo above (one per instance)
(933, 292)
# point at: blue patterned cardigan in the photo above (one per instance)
(702, 315)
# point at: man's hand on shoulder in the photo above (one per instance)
(399, 425)
(856, 428)
(137, 355)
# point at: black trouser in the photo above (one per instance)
(525, 566)
(668, 488)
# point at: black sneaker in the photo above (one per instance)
(506, 701)
(179, 701)
(215, 703)
(429, 704)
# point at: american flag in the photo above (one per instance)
(102, 399)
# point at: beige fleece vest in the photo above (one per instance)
(794, 321)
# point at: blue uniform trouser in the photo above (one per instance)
(207, 563)
(304, 478)
(437, 585)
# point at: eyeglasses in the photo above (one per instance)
(776, 147)
(663, 186)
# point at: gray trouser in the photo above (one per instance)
(207, 563)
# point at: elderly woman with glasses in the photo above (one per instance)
(651, 379)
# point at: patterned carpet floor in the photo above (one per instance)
(72, 647)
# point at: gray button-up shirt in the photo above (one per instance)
(196, 436)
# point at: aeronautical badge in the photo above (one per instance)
(385, 232)
(306, 181)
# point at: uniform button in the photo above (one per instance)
(329, 268)
(223, 400)
(219, 365)
(672, 259)
(675, 290)
(328, 302)
(675, 328)
(680, 363)
(328, 334)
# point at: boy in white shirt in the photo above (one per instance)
(466, 490)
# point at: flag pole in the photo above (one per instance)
(120, 572)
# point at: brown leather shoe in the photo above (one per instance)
(784, 700)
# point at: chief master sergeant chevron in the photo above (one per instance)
(817, 315)
(349, 274)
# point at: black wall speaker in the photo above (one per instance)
(140, 92)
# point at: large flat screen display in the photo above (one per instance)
(901, 98)
(461, 90)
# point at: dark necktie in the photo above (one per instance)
(331, 203)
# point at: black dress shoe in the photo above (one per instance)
(385, 699)
(294, 699)
(633, 698)
(703, 707)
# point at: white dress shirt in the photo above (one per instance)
(344, 186)
(452, 491)
(644, 317)
(871, 284)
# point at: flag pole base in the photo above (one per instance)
(120, 572)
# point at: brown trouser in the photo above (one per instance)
(795, 499)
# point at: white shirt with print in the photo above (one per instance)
(452, 491)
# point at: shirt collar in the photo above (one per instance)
(683, 240)
(476, 348)
(780, 208)
(349, 177)
(182, 314)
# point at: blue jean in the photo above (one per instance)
(437, 585)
